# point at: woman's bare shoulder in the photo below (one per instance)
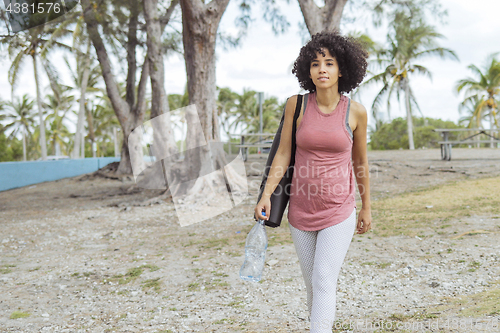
(357, 109)
(292, 99)
(290, 104)
(359, 114)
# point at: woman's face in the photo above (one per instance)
(324, 70)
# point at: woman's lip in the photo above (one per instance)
(323, 78)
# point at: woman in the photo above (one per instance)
(330, 132)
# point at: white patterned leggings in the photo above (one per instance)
(321, 254)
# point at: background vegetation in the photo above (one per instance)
(87, 105)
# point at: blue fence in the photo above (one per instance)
(18, 174)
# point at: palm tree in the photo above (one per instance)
(271, 113)
(473, 116)
(176, 102)
(59, 105)
(21, 116)
(247, 109)
(482, 91)
(85, 79)
(226, 107)
(409, 40)
(101, 120)
(57, 134)
(35, 42)
(2, 107)
(84, 62)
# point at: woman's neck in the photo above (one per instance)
(328, 98)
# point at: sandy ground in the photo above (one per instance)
(88, 254)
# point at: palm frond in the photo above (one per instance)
(423, 70)
(414, 100)
(14, 70)
(378, 99)
(438, 51)
(53, 78)
(391, 90)
(58, 32)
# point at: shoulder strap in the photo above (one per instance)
(306, 98)
(347, 118)
(295, 117)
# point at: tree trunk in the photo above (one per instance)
(57, 148)
(205, 176)
(326, 18)
(165, 141)
(82, 148)
(492, 143)
(90, 121)
(24, 143)
(163, 147)
(409, 119)
(129, 116)
(81, 111)
(115, 140)
(199, 31)
(497, 127)
(477, 138)
(43, 144)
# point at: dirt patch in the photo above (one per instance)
(93, 254)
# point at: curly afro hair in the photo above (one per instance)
(349, 53)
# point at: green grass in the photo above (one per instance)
(194, 286)
(222, 274)
(406, 213)
(486, 303)
(19, 314)
(383, 265)
(224, 320)
(415, 316)
(154, 284)
(380, 265)
(236, 304)
(134, 273)
(209, 243)
(474, 266)
(6, 269)
(215, 284)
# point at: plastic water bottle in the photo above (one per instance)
(255, 253)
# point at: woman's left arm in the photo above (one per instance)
(360, 166)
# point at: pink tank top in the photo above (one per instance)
(323, 186)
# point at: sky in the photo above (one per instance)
(263, 60)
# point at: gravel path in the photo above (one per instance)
(79, 256)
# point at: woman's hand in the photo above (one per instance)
(364, 221)
(263, 204)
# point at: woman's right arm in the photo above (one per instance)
(281, 161)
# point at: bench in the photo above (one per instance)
(447, 144)
(257, 144)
